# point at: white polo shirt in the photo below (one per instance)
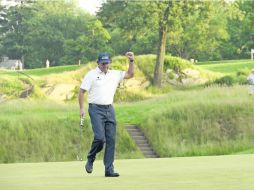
(101, 87)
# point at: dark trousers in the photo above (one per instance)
(104, 129)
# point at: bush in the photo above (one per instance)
(123, 95)
(176, 63)
(243, 72)
(242, 80)
(11, 87)
(225, 80)
(209, 127)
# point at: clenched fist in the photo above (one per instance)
(130, 55)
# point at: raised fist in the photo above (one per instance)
(130, 55)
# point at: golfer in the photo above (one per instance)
(250, 80)
(100, 84)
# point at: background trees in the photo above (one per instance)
(182, 28)
(60, 31)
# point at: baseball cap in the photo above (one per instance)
(104, 58)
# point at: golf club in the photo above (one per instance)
(81, 125)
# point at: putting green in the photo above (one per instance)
(209, 172)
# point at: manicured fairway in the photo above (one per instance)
(213, 172)
(228, 67)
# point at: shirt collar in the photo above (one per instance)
(101, 72)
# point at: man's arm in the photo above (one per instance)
(81, 102)
(130, 73)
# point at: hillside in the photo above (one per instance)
(202, 121)
(180, 119)
(228, 67)
(62, 83)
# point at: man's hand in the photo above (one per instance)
(81, 103)
(82, 113)
(130, 73)
(130, 55)
(82, 122)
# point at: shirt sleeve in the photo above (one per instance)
(87, 82)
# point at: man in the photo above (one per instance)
(251, 82)
(101, 84)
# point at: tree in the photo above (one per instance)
(87, 46)
(241, 31)
(164, 11)
(53, 24)
(136, 18)
(202, 30)
(13, 29)
(184, 27)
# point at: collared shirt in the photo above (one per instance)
(101, 87)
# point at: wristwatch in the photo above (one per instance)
(132, 61)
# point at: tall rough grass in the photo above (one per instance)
(210, 122)
(45, 131)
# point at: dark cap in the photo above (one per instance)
(104, 58)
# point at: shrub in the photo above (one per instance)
(11, 87)
(242, 80)
(243, 72)
(225, 80)
(176, 63)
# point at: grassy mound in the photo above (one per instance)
(49, 82)
(210, 121)
(213, 121)
(36, 131)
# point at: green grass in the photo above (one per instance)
(199, 173)
(42, 71)
(223, 61)
(179, 123)
(36, 131)
(52, 70)
(228, 67)
(207, 122)
(202, 121)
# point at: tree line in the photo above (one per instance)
(60, 31)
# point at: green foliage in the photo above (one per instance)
(146, 64)
(63, 33)
(176, 63)
(11, 87)
(38, 131)
(55, 30)
(123, 95)
(225, 80)
(236, 71)
(220, 123)
(242, 38)
(52, 70)
(241, 76)
(217, 121)
(136, 24)
(162, 90)
(227, 67)
(88, 45)
(243, 72)
(241, 80)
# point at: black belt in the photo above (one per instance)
(101, 106)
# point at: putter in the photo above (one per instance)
(81, 125)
